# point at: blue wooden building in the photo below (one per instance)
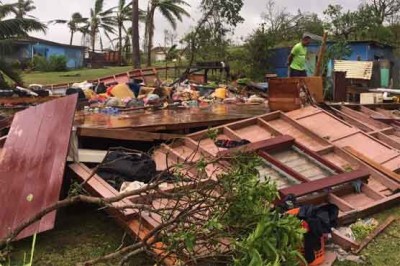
(361, 50)
(26, 48)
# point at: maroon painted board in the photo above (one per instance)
(32, 164)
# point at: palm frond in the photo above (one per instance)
(58, 21)
(168, 15)
(98, 6)
(19, 26)
(6, 9)
(8, 71)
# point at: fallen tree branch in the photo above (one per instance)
(104, 202)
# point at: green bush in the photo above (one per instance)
(53, 64)
(39, 63)
(57, 63)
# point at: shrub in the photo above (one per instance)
(54, 63)
(57, 63)
(39, 63)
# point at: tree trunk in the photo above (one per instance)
(120, 44)
(135, 35)
(93, 37)
(72, 37)
(150, 33)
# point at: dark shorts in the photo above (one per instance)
(297, 73)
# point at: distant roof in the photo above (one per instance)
(31, 39)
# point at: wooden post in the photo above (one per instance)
(321, 55)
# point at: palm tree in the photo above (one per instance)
(23, 7)
(123, 14)
(85, 30)
(100, 19)
(11, 28)
(74, 24)
(135, 34)
(172, 10)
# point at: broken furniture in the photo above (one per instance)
(350, 79)
(284, 93)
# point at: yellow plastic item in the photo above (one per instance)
(221, 93)
(89, 93)
(122, 91)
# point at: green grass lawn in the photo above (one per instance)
(81, 233)
(384, 250)
(72, 76)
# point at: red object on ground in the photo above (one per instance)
(32, 164)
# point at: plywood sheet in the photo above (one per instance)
(326, 126)
(300, 136)
(370, 148)
(170, 119)
(253, 133)
(32, 164)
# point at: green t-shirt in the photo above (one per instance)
(299, 53)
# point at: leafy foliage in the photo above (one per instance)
(100, 19)
(55, 63)
(77, 23)
(171, 10)
(241, 213)
(12, 28)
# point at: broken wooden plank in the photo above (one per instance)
(343, 241)
(125, 134)
(374, 234)
(325, 183)
(375, 165)
(32, 164)
(99, 187)
(269, 144)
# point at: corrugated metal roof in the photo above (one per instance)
(355, 69)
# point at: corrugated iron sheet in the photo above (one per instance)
(32, 164)
(355, 69)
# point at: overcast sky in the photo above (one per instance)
(61, 9)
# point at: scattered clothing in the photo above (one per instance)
(229, 144)
(122, 165)
(101, 88)
(320, 221)
(121, 91)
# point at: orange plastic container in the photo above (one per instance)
(319, 254)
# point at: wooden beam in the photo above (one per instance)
(325, 183)
(343, 241)
(374, 234)
(321, 55)
(125, 134)
(100, 188)
(283, 167)
(269, 144)
(388, 140)
(373, 164)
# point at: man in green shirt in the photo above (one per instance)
(297, 58)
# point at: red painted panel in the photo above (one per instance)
(32, 164)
